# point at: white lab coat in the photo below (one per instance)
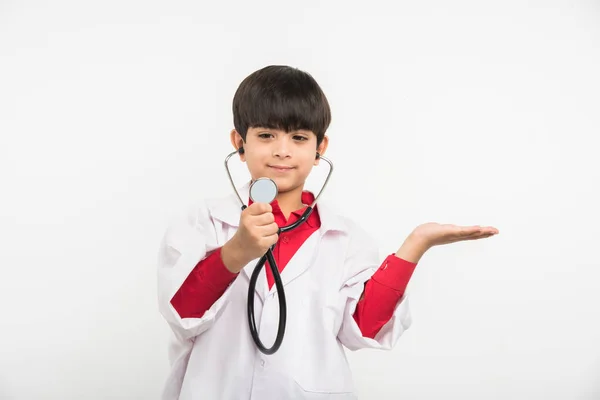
(214, 357)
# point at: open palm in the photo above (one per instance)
(435, 234)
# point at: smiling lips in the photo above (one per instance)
(281, 168)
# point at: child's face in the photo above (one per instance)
(287, 158)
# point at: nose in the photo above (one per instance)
(282, 148)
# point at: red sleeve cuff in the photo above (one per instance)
(204, 285)
(381, 294)
(215, 273)
(394, 273)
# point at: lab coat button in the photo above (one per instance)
(262, 363)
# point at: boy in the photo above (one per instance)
(339, 293)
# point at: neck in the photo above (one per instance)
(290, 201)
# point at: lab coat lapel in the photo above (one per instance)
(305, 257)
(301, 261)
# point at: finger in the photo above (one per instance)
(263, 219)
(270, 240)
(259, 208)
(484, 229)
(466, 231)
(268, 230)
(480, 236)
(489, 230)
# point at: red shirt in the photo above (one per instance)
(210, 278)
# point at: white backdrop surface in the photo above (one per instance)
(115, 115)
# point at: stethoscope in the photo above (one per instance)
(264, 190)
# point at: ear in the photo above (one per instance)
(322, 148)
(237, 142)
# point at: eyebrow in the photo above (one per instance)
(296, 132)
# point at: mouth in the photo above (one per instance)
(280, 168)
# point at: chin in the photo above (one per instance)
(285, 185)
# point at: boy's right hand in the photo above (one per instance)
(256, 234)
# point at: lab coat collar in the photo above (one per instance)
(228, 210)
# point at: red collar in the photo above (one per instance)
(307, 198)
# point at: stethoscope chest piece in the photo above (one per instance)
(263, 190)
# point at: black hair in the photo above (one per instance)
(281, 97)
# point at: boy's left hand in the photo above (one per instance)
(434, 234)
(425, 236)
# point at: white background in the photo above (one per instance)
(115, 115)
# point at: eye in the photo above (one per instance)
(264, 135)
(300, 138)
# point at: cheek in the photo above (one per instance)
(253, 157)
(254, 166)
(307, 164)
(256, 163)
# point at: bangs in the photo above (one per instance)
(280, 97)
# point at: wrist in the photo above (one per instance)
(412, 249)
(231, 257)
